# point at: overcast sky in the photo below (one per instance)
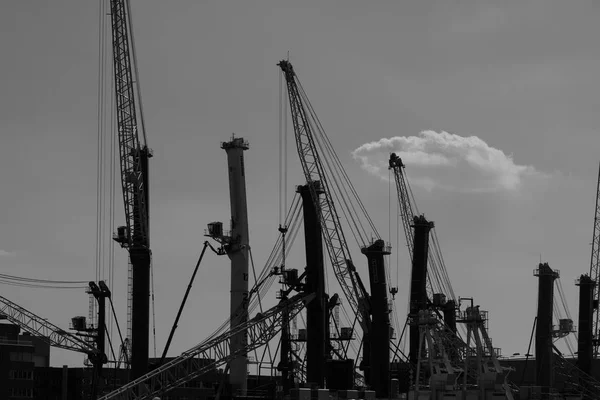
(492, 104)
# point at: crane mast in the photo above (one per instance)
(595, 270)
(313, 169)
(134, 156)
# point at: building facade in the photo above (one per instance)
(19, 357)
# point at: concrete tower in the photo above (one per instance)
(237, 250)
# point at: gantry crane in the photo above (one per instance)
(595, 271)
(376, 331)
(134, 155)
(211, 353)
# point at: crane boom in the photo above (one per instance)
(595, 269)
(41, 328)
(314, 172)
(193, 363)
(133, 156)
(437, 277)
(406, 209)
(130, 148)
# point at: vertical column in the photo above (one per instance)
(418, 284)
(543, 332)
(285, 362)
(450, 315)
(140, 258)
(584, 338)
(65, 383)
(140, 316)
(316, 311)
(450, 321)
(237, 250)
(379, 358)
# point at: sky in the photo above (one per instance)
(491, 104)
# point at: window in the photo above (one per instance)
(19, 356)
(41, 361)
(25, 393)
(20, 374)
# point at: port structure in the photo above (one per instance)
(191, 364)
(418, 284)
(595, 272)
(585, 348)
(430, 284)
(436, 371)
(236, 245)
(91, 342)
(314, 170)
(544, 348)
(321, 164)
(376, 346)
(133, 155)
(317, 321)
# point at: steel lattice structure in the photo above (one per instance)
(130, 148)
(407, 212)
(41, 328)
(406, 209)
(133, 159)
(314, 172)
(210, 354)
(595, 267)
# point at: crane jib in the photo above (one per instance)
(314, 171)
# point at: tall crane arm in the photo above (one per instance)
(595, 268)
(211, 353)
(41, 328)
(437, 277)
(406, 209)
(314, 172)
(130, 149)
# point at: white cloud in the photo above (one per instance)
(4, 253)
(448, 161)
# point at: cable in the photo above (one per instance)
(19, 278)
(30, 285)
(112, 307)
(280, 149)
(153, 312)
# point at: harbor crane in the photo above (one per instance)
(327, 181)
(595, 272)
(312, 166)
(428, 286)
(437, 279)
(134, 155)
